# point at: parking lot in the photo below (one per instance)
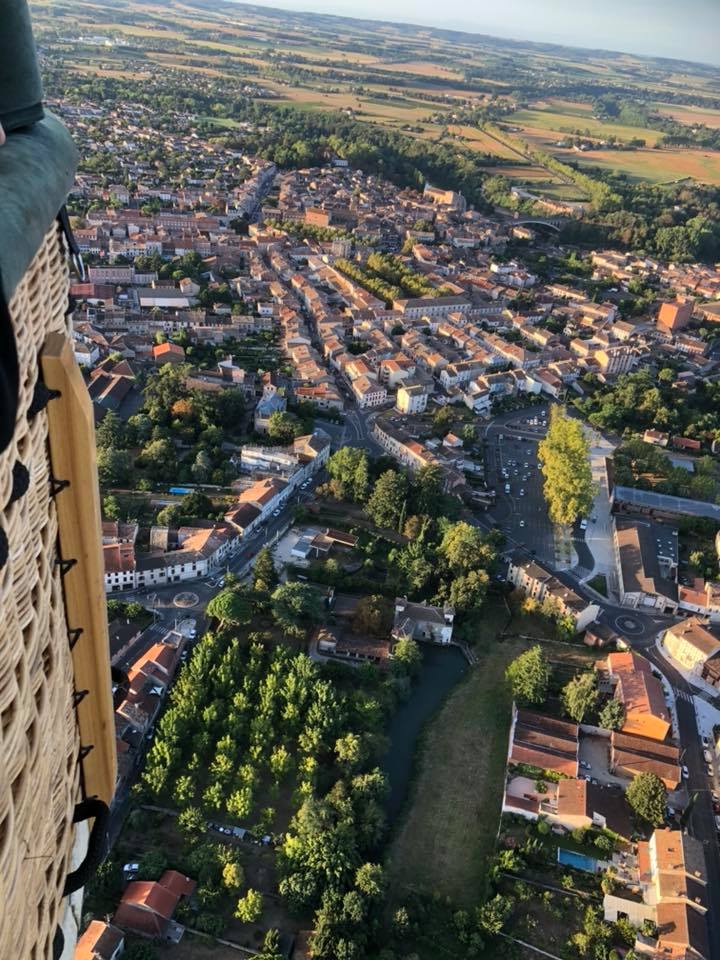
(512, 470)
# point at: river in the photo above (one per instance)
(442, 668)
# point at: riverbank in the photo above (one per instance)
(448, 834)
(443, 668)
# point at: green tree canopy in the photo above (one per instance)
(648, 798)
(283, 427)
(295, 605)
(464, 548)
(249, 908)
(529, 676)
(348, 469)
(387, 502)
(264, 574)
(580, 696)
(232, 606)
(564, 456)
(612, 715)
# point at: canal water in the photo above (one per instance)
(442, 668)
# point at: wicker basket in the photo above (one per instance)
(39, 743)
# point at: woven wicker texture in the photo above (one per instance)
(39, 746)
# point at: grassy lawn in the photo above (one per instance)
(449, 830)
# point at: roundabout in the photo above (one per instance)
(186, 599)
(629, 625)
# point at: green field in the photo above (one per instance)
(551, 121)
(449, 831)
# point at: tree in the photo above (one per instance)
(201, 467)
(111, 507)
(370, 879)
(468, 592)
(233, 876)
(170, 516)
(491, 916)
(197, 504)
(295, 605)
(580, 696)
(464, 548)
(407, 652)
(648, 797)
(152, 863)
(373, 616)
(564, 455)
(159, 458)
(231, 607)
(612, 715)
(427, 488)
(283, 427)
(271, 947)
(387, 502)
(110, 432)
(348, 470)
(264, 574)
(192, 821)
(529, 676)
(249, 908)
(114, 467)
(349, 749)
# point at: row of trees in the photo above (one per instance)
(564, 457)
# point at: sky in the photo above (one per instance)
(684, 29)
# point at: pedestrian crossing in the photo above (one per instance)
(684, 695)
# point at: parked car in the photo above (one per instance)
(707, 756)
(276, 513)
(585, 765)
(685, 772)
(583, 524)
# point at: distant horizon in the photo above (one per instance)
(689, 34)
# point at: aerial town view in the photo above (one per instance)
(359, 481)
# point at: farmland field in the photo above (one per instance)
(689, 114)
(655, 166)
(554, 123)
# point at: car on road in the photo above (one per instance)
(522, 492)
(707, 757)
(276, 513)
(705, 742)
(685, 772)
(507, 488)
(585, 765)
(583, 524)
(522, 523)
(709, 771)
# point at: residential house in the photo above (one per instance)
(537, 581)
(631, 755)
(411, 398)
(543, 742)
(665, 883)
(147, 907)
(641, 694)
(422, 621)
(694, 644)
(100, 941)
(268, 404)
(646, 556)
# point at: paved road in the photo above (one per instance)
(510, 443)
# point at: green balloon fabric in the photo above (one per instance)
(20, 85)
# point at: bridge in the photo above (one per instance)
(556, 223)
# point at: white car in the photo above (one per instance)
(522, 492)
(522, 523)
(583, 524)
(276, 513)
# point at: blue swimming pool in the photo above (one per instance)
(577, 860)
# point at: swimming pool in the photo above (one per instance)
(577, 860)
